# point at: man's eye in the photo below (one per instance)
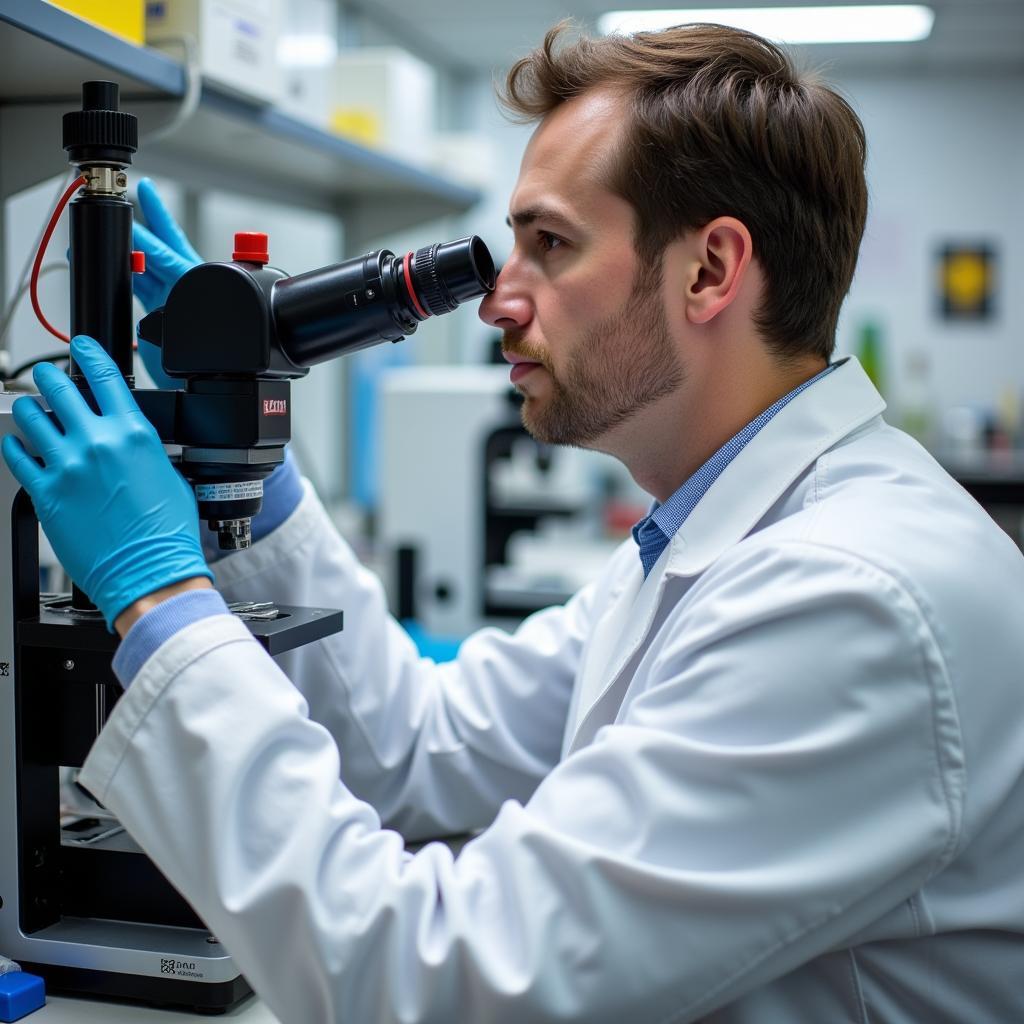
(548, 241)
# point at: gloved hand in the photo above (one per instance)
(169, 254)
(121, 519)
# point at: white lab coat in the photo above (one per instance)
(779, 781)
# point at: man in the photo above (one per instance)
(765, 769)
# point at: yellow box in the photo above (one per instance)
(357, 123)
(126, 18)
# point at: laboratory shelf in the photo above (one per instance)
(48, 53)
(228, 142)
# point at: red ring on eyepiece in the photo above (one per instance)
(408, 285)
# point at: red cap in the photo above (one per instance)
(138, 261)
(251, 247)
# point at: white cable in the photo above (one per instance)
(16, 301)
(193, 87)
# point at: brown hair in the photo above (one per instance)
(723, 124)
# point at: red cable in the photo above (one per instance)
(33, 292)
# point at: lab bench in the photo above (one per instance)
(66, 1010)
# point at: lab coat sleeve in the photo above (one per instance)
(435, 748)
(792, 772)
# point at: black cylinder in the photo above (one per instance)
(99, 96)
(340, 309)
(101, 275)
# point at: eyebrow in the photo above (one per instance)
(530, 214)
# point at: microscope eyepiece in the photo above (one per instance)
(448, 273)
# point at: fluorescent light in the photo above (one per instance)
(312, 50)
(876, 23)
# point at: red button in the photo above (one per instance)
(138, 261)
(251, 247)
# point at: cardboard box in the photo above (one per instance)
(236, 40)
(385, 97)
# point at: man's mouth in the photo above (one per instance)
(521, 369)
(521, 365)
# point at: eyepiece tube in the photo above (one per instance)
(374, 298)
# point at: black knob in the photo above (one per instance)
(100, 132)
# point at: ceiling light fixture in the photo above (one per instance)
(875, 23)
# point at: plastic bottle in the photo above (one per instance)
(869, 352)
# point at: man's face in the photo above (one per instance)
(584, 321)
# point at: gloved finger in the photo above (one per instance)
(39, 430)
(162, 262)
(105, 380)
(23, 467)
(163, 225)
(62, 396)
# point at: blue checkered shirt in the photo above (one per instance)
(653, 533)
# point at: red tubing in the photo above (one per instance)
(33, 287)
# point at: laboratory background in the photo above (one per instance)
(343, 128)
(339, 128)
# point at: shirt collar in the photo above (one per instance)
(653, 533)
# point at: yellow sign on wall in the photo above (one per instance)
(967, 282)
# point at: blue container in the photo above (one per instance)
(20, 994)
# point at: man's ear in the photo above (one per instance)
(721, 252)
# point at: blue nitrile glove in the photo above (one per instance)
(169, 254)
(121, 519)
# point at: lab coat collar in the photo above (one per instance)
(775, 457)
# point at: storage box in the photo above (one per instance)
(385, 97)
(236, 40)
(468, 158)
(309, 47)
(126, 18)
(20, 995)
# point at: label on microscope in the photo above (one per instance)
(240, 490)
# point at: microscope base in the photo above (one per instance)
(166, 993)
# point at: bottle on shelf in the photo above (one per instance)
(869, 351)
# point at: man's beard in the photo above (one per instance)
(623, 364)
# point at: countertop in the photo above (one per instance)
(65, 1010)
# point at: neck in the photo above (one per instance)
(666, 443)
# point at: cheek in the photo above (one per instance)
(568, 311)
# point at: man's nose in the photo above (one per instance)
(506, 308)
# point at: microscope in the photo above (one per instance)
(82, 905)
